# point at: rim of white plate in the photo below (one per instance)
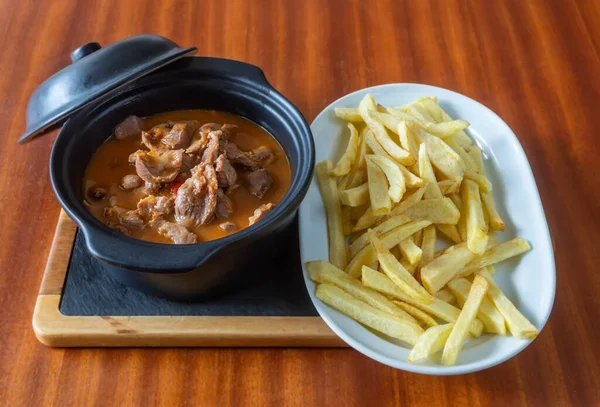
(437, 369)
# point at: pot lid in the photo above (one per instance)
(94, 72)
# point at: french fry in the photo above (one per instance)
(411, 268)
(489, 207)
(438, 272)
(451, 232)
(436, 211)
(459, 333)
(518, 325)
(321, 271)
(488, 314)
(477, 158)
(355, 196)
(435, 111)
(476, 229)
(364, 313)
(398, 274)
(449, 186)
(374, 145)
(496, 254)
(418, 238)
(367, 111)
(333, 210)
(412, 181)
(431, 107)
(442, 157)
(380, 229)
(369, 219)
(357, 211)
(349, 157)
(446, 295)
(416, 313)
(427, 175)
(393, 174)
(356, 177)
(432, 341)
(418, 112)
(348, 114)
(407, 138)
(443, 130)
(410, 251)
(462, 222)
(484, 184)
(468, 162)
(381, 203)
(427, 246)
(439, 309)
(367, 256)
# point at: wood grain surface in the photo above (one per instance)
(534, 62)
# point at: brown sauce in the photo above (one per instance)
(110, 164)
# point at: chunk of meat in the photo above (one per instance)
(237, 156)
(133, 156)
(98, 193)
(132, 220)
(177, 233)
(156, 206)
(260, 154)
(212, 148)
(131, 181)
(179, 136)
(131, 126)
(152, 139)
(228, 226)
(228, 130)
(260, 213)
(198, 145)
(224, 205)
(226, 174)
(197, 198)
(148, 188)
(208, 127)
(159, 168)
(259, 181)
(113, 211)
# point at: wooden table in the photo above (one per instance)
(535, 63)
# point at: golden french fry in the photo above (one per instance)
(363, 149)
(518, 325)
(430, 105)
(451, 232)
(416, 313)
(356, 177)
(380, 229)
(496, 254)
(407, 138)
(439, 309)
(357, 211)
(355, 196)
(381, 203)
(443, 130)
(427, 175)
(442, 157)
(367, 256)
(364, 313)
(462, 222)
(489, 207)
(348, 114)
(398, 274)
(438, 272)
(369, 218)
(367, 111)
(410, 251)
(411, 268)
(427, 246)
(459, 333)
(349, 157)
(436, 111)
(476, 228)
(418, 112)
(484, 184)
(412, 181)
(446, 295)
(437, 211)
(333, 210)
(321, 271)
(469, 165)
(432, 341)
(477, 158)
(418, 238)
(449, 186)
(393, 174)
(488, 314)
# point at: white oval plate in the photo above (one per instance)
(528, 281)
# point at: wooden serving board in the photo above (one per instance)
(54, 328)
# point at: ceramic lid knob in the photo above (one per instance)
(84, 50)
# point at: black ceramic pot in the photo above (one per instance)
(184, 271)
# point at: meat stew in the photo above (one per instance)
(186, 176)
